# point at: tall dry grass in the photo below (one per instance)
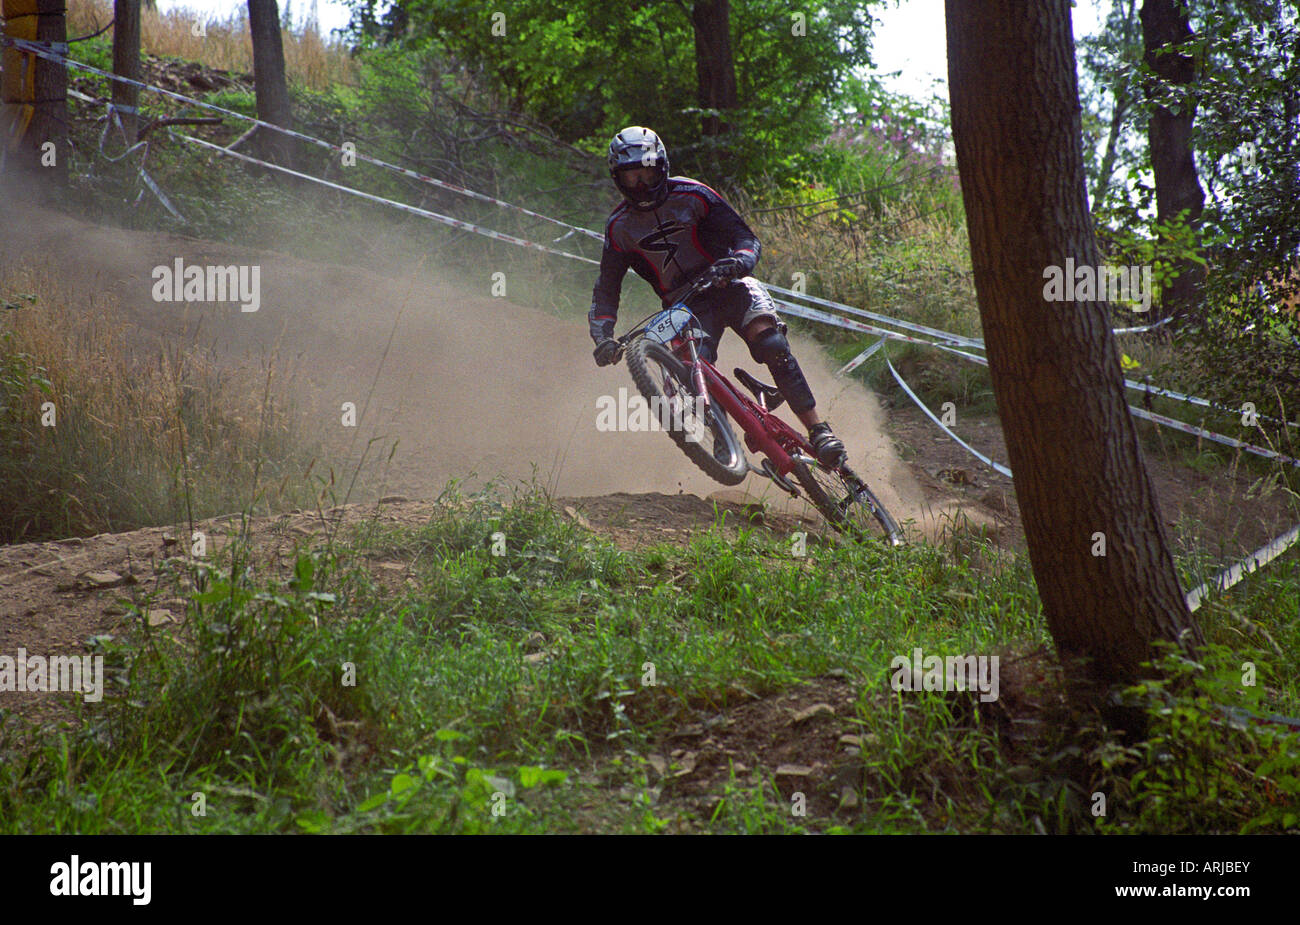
(310, 60)
(142, 432)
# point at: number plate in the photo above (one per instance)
(672, 325)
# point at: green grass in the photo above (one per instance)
(450, 728)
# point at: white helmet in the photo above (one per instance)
(636, 146)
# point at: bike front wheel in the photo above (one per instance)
(847, 503)
(665, 382)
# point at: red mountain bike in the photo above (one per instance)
(694, 402)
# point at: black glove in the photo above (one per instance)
(725, 269)
(607, 352)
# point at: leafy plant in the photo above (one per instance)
(1212, 762)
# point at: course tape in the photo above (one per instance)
(1145, 327)
(162, 197)
(1193, 400)
(1172, 422)
(961, 353)
(849, 324)
(1226, 578)
(920, 404)
(1221, 582)
(1243, 717)
(884, 319)
(423, 213)
(944, 338)
(972, 342)
(861, 358)
(812, 314)
(1252, 563)
(1211, 435)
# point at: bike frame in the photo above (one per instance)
(781, 445)
(764, 432)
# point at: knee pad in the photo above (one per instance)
(770, 347)
(773, 350)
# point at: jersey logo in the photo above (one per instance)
(660, 240)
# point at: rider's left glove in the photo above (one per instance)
(607, 352)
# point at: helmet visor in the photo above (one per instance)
(639, 182)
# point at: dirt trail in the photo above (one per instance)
(469, 385)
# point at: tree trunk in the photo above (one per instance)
(126, 63)
(1072, 443)
(34, 91)
(1165, 28)
(270, 84)
(715, 67)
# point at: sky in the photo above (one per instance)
(910, 38)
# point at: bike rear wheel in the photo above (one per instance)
(665, 382)
(847, 503)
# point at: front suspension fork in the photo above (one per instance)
(697, 375)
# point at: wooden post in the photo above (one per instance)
(33, 94)
(126, 63)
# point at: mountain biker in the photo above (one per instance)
(671, 231)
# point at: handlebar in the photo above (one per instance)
(700, 283)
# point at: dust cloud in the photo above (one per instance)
(466, 386)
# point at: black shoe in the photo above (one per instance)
(830, 449)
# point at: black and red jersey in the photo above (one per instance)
(670, 245)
